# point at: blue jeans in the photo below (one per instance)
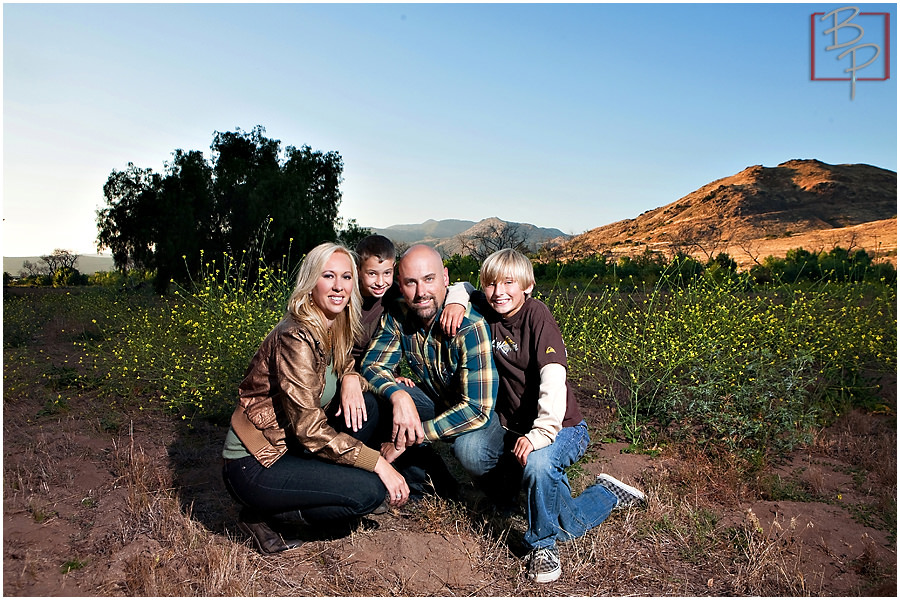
(553, 514)
(421, 465)
(324, 493)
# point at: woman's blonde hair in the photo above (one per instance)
(507, 263)
(347, 325)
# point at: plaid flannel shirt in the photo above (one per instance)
(456, 372)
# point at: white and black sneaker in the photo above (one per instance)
(543, 564)
(625, 494)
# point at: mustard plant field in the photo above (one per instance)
(730, 368)
(710, 361)
(747, 412)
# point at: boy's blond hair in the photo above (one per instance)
(507, 263)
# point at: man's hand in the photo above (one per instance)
(353, 405)
(452, 318)
(407, 428)
(522, 449)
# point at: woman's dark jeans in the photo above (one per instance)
(324, 492)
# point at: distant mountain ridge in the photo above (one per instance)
(429, 230)
(445, 235)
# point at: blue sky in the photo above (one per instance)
(569, 116)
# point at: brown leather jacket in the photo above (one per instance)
(280, 397)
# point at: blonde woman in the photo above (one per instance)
(284, 461)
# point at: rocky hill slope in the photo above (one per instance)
(762, 211)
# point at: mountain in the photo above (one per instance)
(429, 231)
(762, 211)
(446, 235)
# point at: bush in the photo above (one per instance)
(131, 279)
(836, 265)
(463, 268)
(68, 276)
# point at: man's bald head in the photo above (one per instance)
(423, 281)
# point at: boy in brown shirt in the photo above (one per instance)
(538, 421)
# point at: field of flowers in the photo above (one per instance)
(187, 354)
(715, 361)
(728, 366)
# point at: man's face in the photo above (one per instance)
(375, 276)
(423, 282)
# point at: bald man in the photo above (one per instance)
(456, 374)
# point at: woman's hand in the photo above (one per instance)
(397, 489)
(353, 404)
(452, 318)
(522, 449)
(390, 452)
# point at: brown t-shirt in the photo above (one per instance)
(372, 309)
(522, 345)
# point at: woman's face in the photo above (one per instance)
(333, 288)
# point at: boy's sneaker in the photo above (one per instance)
(625, 494)
(543, 564)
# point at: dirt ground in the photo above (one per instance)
(72, 482)
(83, 501)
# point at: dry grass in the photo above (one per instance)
(676, 545)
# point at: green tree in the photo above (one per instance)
(246, 199)
(353, 234)
(245, 183)
(128, 224)
(185, 198)
(305, 201)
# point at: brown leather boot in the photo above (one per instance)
(266, 539)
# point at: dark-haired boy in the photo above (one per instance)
(376, 258)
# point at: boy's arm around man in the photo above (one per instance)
(549, 354)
